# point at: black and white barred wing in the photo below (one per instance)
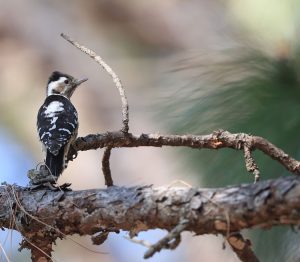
(57, 122)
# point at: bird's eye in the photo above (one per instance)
(67, 81)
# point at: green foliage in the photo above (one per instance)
(240, 90)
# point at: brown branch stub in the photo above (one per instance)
(242, 247)
(106, 167)
(221, 139)
(115, 78)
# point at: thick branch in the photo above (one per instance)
(216, 140)
(225, 210)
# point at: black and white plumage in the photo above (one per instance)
(57, 121)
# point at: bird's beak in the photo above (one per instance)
(80, 81)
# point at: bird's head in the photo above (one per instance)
(63, 84)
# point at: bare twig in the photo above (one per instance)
(170, 241)
(106, 167)
(216, 140)
(108, 69)
(250, 163)
(242, 248)
(141, 242)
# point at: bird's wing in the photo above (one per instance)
(57, 122)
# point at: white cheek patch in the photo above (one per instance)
(53, 86)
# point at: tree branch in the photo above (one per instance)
(51, 215)
(217, 140)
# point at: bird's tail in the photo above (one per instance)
(54, 163)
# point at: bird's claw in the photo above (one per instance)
(50, 186)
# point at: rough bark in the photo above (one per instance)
(48, 215)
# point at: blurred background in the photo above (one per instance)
(188, 67)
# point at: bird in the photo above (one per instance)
(57, 121)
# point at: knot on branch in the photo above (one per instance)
(217, 136)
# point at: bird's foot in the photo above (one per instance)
(65, 187)
(46, 185)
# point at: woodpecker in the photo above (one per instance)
(57, 121)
